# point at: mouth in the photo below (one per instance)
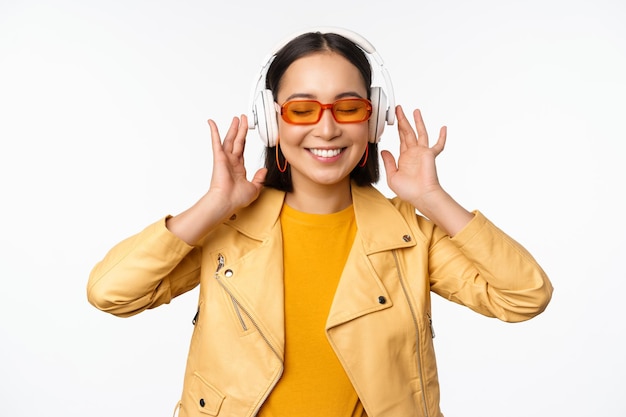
(326, 153)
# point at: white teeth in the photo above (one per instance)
(326, 153)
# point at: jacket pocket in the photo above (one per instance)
(208, 399)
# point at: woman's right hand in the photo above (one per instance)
(229, 189)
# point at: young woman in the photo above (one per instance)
(314, 287)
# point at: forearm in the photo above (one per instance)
(196, 222)
(485, 269)
(444, 211)
(143, 271)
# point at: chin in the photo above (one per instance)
(331, 180)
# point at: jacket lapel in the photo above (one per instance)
(380, 228)
(257, 274)
(259, 286)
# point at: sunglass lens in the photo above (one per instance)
(302, 112)
(351, 110)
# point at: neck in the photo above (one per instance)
(320, 199)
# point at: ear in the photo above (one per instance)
(267, 121)
(379, 114)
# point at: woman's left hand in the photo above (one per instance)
(415, 175)
(415, 180)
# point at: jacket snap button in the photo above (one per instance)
(228, 273)
(202, 403)
(406, 238)
(382, 300)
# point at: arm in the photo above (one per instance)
(143, 271)
(486, 270)
(161, 262)
(471, 261)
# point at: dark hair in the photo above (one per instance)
(299, 47)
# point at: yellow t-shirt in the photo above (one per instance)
(314, 383)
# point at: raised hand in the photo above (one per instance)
(229, 189)
(228, 181)
(414, 178)
(415, 175)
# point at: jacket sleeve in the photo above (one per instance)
(486, 270)
(144, 271)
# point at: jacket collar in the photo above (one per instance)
(379, 222)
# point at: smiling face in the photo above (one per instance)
(324, 153)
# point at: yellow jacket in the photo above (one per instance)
(379, 324)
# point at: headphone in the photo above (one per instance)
(263, 110)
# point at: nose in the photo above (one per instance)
(328, 128)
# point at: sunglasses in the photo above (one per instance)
(308, 112)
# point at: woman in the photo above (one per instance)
(314, 287)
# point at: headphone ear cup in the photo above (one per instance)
(267, 122)
(379, 114)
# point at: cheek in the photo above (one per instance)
(289, 134)
(289, 139)
(360, 133)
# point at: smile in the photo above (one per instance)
(325, 153)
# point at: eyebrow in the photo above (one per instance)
(312, 97)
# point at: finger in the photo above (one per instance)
(390, 164)
(441, 141)
(422, 134)
(239, 142)
(230, 135)
(407, 134)
(259, 178)
(216, 141)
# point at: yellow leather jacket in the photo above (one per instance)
(379, 324)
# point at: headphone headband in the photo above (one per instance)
(386, 113)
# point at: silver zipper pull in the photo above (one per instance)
(220, 263)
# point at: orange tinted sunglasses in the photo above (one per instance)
(307, 112)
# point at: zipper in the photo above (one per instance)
(417, 337)
(224, 286)
(220, 265)
(239, 308)
(244, 327)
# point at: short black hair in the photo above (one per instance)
(299, 47)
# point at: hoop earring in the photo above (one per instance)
(284, 168)
(364, 160)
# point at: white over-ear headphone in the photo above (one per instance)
(263, 108)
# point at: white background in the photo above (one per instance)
(103, 109)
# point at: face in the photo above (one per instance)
(322, 154)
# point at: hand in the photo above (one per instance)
(229, 189)
(415, 176)
(229, 183)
